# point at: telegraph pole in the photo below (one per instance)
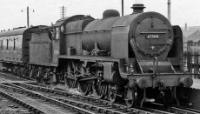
(122, 7)
(27, 15)
(28, 19)
(63, 10)
(169, 10)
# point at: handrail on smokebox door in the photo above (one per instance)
(155, 68)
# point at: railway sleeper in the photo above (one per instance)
(36, 111)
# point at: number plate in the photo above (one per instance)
(152, 36)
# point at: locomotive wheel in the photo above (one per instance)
(130, 97)
(73, 83)
(18, 71)
(174, 89)
(11, 69)
(69, 83)
(183, 95)
(165, 97)
(168, 98)
(112, 94)
(84, 87)
(102, 89)
(31, 73)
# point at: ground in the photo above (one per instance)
(8, 107)
(196, 83)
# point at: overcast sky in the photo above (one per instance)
(48, 11)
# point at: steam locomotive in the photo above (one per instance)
(133, 57)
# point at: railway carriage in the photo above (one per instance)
(11, 42)
(15, 49)
(12, 51)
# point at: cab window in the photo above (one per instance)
(57, 33)
(11, 44)
(7, 43)
(2, 44)
(14, 44)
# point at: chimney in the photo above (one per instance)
(138, 8)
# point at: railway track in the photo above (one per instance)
(8, 77)
(8, 105)
(46, 105)
(79, 103)
(174, 110)
(20, 102)
(88, 102)
(184, 110)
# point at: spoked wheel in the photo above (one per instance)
(14, 70)
(168, 98)
(101, 90)
(130, 97)
(112, 93)
(174, 94)
(84, 87)
(30, 73)
(18, 71)
(183, 95)
(70, 83)
(165, 97)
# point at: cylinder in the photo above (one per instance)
(186, 81)
(141, 82)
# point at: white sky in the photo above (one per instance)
(47, 11)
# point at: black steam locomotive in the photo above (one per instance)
(132, 57)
